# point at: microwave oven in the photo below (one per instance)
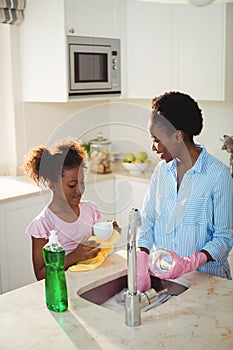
(94, 66)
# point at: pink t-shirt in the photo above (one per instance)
(69, 234)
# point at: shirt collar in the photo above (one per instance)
(197, 167)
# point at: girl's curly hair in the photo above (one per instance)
(46, 166)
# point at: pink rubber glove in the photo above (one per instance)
(143, 273)
(182, 265)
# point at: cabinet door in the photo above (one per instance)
(102, 193)
(15, 246)
(44, 45)
(94, 18)
(129, 194)
(43, 52)
(179, 47)
(201, 50)
(149, 49)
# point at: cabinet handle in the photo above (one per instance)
(72, 30)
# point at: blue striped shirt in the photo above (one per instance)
(198, 216)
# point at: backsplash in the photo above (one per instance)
(123, 122)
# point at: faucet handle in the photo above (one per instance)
(134, 222)
(135, 217)
(138, 217)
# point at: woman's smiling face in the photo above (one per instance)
(163, 142)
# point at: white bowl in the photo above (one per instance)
(103, 230)
(136, 168)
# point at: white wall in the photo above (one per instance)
(23, 125)
(123, 121)
(7, 113)
(46, 122)
(12, 123)
(218, 121)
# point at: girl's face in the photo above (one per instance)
(71, 186)
(163, 143)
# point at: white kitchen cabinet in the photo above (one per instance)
(43, 40)
(202, 64)
(129, 194)
(102, 193)
(149, 48)
(16, 268)
(101, 18)
(179, 47)
(44, 52)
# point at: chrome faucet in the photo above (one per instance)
(132, 296)
(134, 300)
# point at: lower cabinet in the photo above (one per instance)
(16, 269)
(101, 192)
(128, 194)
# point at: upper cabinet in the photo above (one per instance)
(179, 47)
(102, 18)
(43, 36)
(43, 52)
(163, 46)
(149, 48)
(202, 50)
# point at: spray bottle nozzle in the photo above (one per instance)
(53, 237)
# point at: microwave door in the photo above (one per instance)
(90, 67)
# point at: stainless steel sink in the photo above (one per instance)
(104, 292)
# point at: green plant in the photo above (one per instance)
(86, 146)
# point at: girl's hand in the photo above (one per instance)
(116, 226)
(87, 250)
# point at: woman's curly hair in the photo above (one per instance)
(180, 110)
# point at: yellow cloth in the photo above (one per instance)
(91, 264)
(94, 263)
(107, 243)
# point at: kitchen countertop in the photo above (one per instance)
(199, 318)
(12, 187)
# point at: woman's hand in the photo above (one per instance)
(182, 265)
(143, 274)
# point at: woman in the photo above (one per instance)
(188, 206)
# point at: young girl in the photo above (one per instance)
(62, 170)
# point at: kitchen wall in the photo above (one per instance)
(123, 121)
(24, 125)
(7, 111)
